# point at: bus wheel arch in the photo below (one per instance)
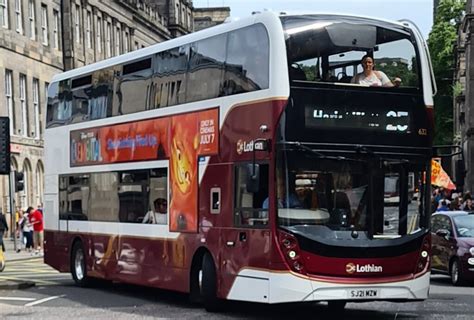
(78, 264)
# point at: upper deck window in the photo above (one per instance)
(225, 64)
(330, 49)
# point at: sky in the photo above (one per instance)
(418, 11)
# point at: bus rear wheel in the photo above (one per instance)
(209, 285)
(78, 265)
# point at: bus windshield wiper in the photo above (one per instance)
(319, 155)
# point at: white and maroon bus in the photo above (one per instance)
(268, 163)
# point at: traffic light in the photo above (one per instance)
(4, 145)
(19, 183)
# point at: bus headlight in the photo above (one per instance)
(471, 250)
(470, 261)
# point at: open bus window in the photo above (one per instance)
(249, 210)
(330, 50)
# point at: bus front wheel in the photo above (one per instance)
(78, 265)
(209, 284)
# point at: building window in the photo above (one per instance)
(36, 107)
(31, 19)
(117, 41)
(77, 23)
(183, 16)
(136, 46)
(56, 29)
(99, 35)
(4, 13)
(44, 24)
(108, 41)
(18, 17)
(126, 43)
(9, 99)
(45, 103)
(176, 13)
(39, 182)
(24, 107)
(89, 30)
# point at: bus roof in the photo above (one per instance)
(202, 34)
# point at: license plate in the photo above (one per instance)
(363, 293)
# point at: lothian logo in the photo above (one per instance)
(353, 268)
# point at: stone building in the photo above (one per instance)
(30, 54)
(463, 113)
(209, 17)
(39, 39)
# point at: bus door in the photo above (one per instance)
(247, 243)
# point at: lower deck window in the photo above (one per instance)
(135, 196)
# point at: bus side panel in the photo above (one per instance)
(56, 256)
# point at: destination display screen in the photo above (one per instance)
(381, 119)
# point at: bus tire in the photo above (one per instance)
(195, 281)
(78, 265)
(209, 285)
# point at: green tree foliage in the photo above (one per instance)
(441, 43)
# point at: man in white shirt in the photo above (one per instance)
(159, 214)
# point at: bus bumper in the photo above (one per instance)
(269, 287)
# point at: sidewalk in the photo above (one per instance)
(11, 256)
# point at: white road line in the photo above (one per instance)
(43, 300)
(16, 299)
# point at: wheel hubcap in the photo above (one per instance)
(79, 264)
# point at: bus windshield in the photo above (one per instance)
(339, 193)
(329, 49)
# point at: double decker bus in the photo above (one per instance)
(268, 164)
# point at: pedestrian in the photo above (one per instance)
(36, 220)
(27, 229)
(3, 229)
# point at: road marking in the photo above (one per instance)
(20, 279)
(16, 299)
(43, 300)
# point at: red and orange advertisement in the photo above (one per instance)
(181, 139)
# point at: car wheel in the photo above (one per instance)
(209, 285)
(78, 265)
(456, 273)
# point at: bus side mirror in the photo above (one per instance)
(446, 151)
(253, 178)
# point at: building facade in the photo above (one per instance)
(463, 113)
(40, 38)
(208, 17)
